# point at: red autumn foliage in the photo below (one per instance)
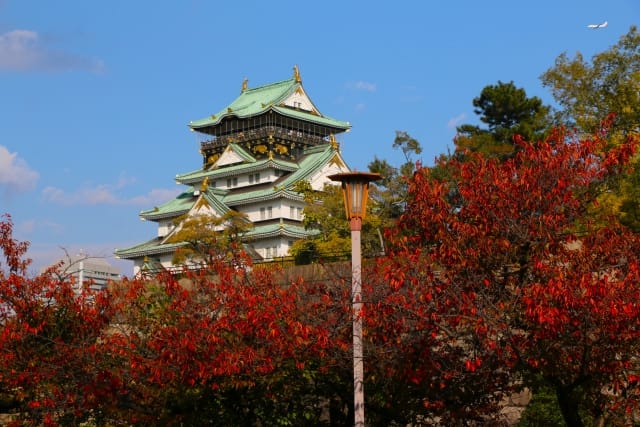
(51, 368)
(510, 278)
(499, 276)
(232, 343)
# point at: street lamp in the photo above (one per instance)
(355, 189)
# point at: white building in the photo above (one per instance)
(254, 152)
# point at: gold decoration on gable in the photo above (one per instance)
(212, 159)
(205, 184)
(334, 142)
(261, 148)
(245, 84)
(281, 149)
(335, 160)
(202, 202)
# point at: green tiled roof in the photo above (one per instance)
(151, 247)
(273, 230)
(259, 100)
(236, 199)
(174, 207)
(184, 202)
(315, 158)
(199, 174)
(304, 115)
(318, 156)
(156, 247)
(221, 199)
(215, 202)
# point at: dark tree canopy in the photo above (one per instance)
(507, 111)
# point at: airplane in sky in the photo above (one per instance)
(596, 26)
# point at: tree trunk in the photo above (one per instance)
(568, 407)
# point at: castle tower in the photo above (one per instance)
(254, 151)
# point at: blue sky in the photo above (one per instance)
(96, 96)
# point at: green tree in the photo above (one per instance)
(506, 111)
(208, 238)
(390, 193)
(325, 214)
(589, 91)
(609, 83)
(387, 198)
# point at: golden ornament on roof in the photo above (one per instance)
(296, 74)
(205, 184)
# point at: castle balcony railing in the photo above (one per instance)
(260, 133)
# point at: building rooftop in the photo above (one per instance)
(271, 97)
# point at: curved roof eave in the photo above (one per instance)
(307, 116)
(198, 175)
(152, 247)
(284, 111)
(251, 102)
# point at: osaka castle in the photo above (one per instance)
(254, 151)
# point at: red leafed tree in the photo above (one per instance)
(503, 276)
(231, 343)
(51, 370)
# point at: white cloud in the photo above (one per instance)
(365, 86)
(155, 197)
(455, 121)
(22, 50)
(106, 194)
(15, 174)
(30, 226)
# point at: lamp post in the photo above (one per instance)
(355, 189)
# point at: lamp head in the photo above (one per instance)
(355, 190)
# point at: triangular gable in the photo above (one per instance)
(301, 101)
(202, 207)
(335, 165)
(320, 161)
(232, 155)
